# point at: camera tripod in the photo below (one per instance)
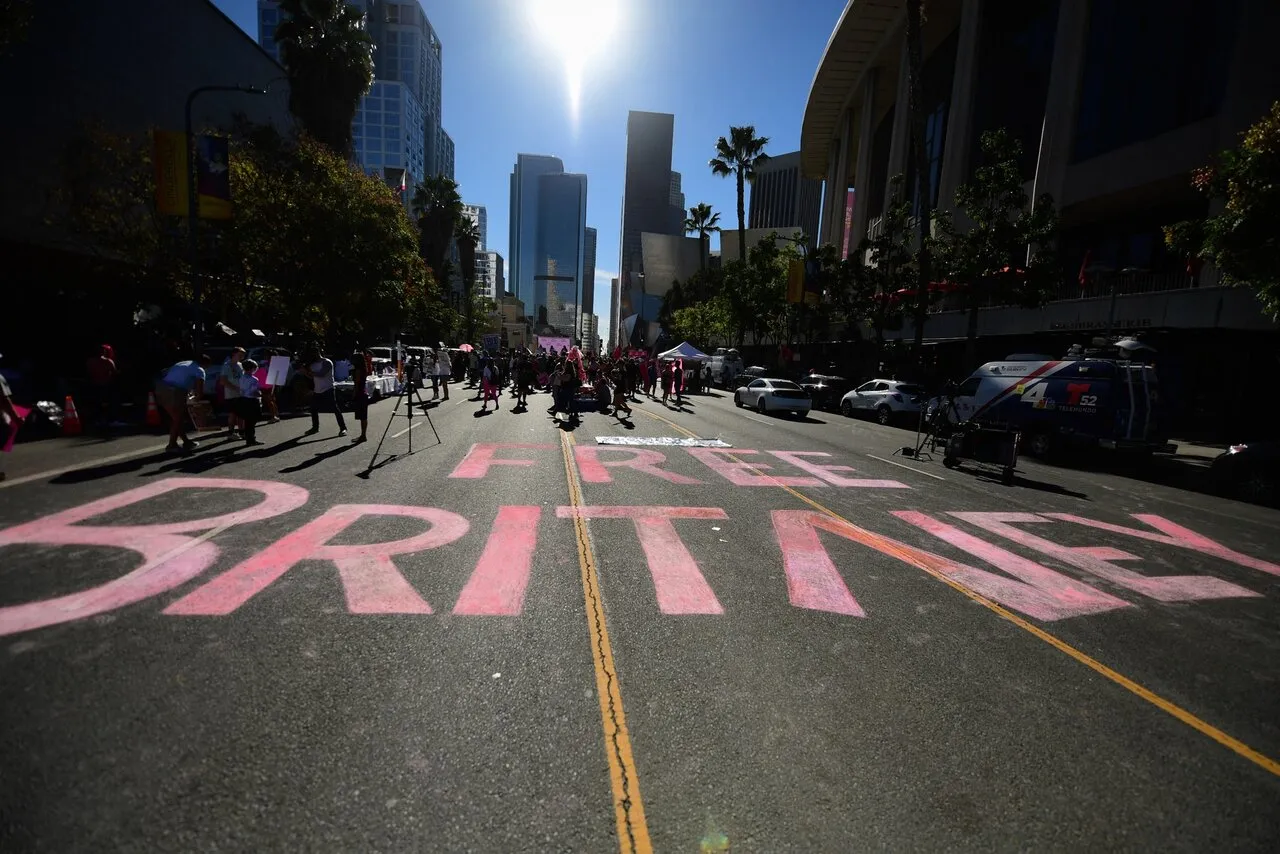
(410, 397)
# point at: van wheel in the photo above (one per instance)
(1040, 445)
(846, 409)
(884, 415)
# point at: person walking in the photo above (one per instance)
(361, 367)
(321, 372)
(229, 382)
(488, 384)
(182, 380)
(103, 375)
(667, 378)
(9, 418)
(248, 403)
(444, 368)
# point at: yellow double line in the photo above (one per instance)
(1202, 726)
(633, 830)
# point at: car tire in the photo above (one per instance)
(884, 415)
(761, 407)
(737, 400)
(846, 409)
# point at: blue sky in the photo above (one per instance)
(712, 63)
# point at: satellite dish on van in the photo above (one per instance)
(1131, 344)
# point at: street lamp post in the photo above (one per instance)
(193, 202)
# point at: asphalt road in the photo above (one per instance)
(690, 653)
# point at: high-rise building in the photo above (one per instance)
(480, 216)
(647, 204)
(676, 199)
(589, 333)
(548, 236)
(490, 282)
(589, 272)
(396, 133)
(615, 305)
(782, 198)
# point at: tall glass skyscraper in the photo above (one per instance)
(548, 236)
(398, 123)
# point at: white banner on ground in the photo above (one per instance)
(664, 441)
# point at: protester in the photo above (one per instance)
(320, 370)
(248, 401)
(488, 383)
(103, 376)
(9, 418)
(229, 380)
(444, 368)
(182, 380)
(361, 367)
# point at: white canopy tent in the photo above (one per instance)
(685, 351)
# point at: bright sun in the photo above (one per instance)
(578, 32)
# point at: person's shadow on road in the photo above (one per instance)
(316, 459)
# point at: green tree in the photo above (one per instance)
(329, 58)
(706, 324)
(739, 155)
(438, 208)
(988, 255)
(1242, 240)
(702, 221)
(467, 234)
(883, 268)
(15, 17)
(920, 154)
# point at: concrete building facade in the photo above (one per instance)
(649, 204)
(1114, 102)
(588, 299)
(783, 198)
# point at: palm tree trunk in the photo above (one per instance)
(924, 260)
(742, 218)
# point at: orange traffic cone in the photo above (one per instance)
(153, 414)
(70, 419)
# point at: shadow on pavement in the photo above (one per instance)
(95, 472)
(316, 459)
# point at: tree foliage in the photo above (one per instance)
(438, 208)
(1242, 240)
(708, 323)
(314, 246)
(329, 57)
(986, 251)
(882, 269)
(467, 234)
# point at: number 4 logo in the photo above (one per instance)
(1035, 394)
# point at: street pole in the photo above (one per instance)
(193, 204)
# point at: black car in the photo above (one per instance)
(825, 390)
(1249, 471)
(754, 372)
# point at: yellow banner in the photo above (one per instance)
(170, 158)
(795, 281)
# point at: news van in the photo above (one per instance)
(726, 364)
(1066, 402)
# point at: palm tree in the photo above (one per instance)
(739, 155)
(329, 57)
(438, 209)
(467, 233)
(702, 220)
(924, 195)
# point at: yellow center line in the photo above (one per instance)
(633, 830)
(1198, 724)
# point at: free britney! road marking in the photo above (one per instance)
(373, 584)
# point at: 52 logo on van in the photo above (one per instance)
(1077, 395)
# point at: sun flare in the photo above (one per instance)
(578, 33)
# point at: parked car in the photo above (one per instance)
(885, 400)
(1249, 471)
(770, 394)
(825, 391)
(744, 378)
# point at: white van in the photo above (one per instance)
(725, 367)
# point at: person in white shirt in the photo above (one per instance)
(321, 372)
(249, 402)
(445, 370)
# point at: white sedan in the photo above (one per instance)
(770, 395)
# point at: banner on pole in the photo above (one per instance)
(169, 155)
(492, 341)
(213, 175)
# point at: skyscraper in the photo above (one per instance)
(589, 272)
(397, 126)
(782, 198)
(676, 199)
(649, 190)
(480, 216)
(548, 235)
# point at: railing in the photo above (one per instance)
(1096, 286)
